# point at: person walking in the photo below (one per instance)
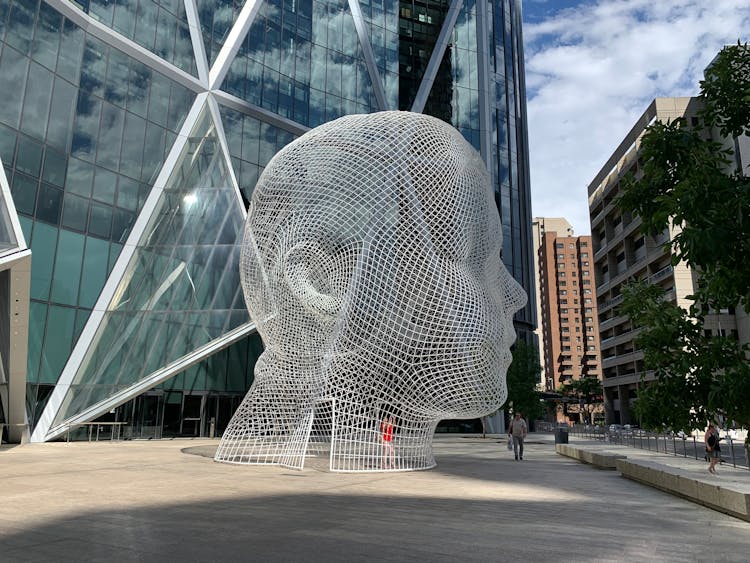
(517, 431)
(713, 451)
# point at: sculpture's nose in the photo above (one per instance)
(514, 296)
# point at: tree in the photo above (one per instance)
(689, 181)
(587, 390)
(523, 375)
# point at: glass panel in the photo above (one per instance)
(21, 19)
(24, 193)
(158, 25)
(37, 317)
(71, 52)
(81, 317)
(171, 299)
(67, 268)
(46, 37)
(49, 204)
(57, 343)
(43, 249)
(29, 158)
(13, 69)
(252, 144)
(100, 220)
(110, 137)
(216, 18)
(27, 227)
(7, 145)
(54, 167)
(94, 271)
(105, 186)
(288, 50)
(75, 212)
(80, 177)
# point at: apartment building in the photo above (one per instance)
(568, 312)
(539, 226)
(621, 252)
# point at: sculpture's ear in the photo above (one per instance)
(307, 270)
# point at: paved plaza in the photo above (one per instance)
(154, 501)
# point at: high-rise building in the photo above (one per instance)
(132, 135)
(568, 312)
(623, 252)
(539, 226)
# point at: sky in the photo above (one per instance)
(593, 67)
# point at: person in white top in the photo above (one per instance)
(518, 430)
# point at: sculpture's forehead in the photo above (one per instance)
(382, 155)
(366, 173)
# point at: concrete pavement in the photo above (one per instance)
(150, 501)
(728, 490)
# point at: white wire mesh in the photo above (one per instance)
(371, 266)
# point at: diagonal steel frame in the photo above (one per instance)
(370, 63)
(437, 56)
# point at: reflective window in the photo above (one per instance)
(180, 289)
(303, 62)
(252, 144)
(93, 275)
(216, 18)
(73, 132)
(43, 249)
(160, 26)
(58, 342)
(75, 212)
(37, 318)
(67, 275)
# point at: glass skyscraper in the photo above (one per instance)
(132, 133)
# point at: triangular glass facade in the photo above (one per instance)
(181, 288)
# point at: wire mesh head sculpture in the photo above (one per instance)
(371, 267)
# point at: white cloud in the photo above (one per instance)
(592, 70)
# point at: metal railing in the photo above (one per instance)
(675, 444)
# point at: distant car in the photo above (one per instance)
(615, 428)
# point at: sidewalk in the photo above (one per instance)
(150, 501)
(727, 491)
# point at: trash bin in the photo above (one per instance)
(561, 435)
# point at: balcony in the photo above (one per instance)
(661, 274)
(609, 323)
(602, 250)
(598, 218)
(609, 303)
(619, 339)
(622, 359)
